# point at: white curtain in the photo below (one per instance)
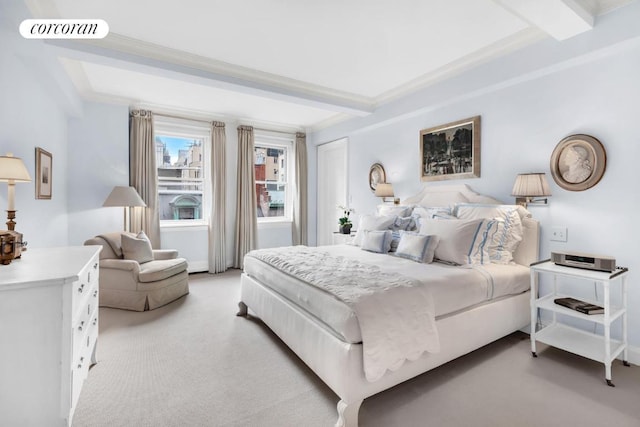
(143, 175)
(299, 228)
(217, 233)
(246, 206)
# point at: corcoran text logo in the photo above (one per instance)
(64, 29)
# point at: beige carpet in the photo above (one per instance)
(194, 363)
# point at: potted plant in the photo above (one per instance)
(344, 220)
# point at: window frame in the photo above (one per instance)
(267, 140)
(198, 131)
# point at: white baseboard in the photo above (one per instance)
(198, 266)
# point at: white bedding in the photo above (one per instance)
(452, 288)
(395, 312)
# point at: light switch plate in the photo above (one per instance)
(559, 234)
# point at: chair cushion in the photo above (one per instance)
(137, 248)
(154, 271)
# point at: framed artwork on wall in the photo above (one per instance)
(44, 169)
(578, 162)
(376, 176)
(451, 151)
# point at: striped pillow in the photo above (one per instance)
(462, 242)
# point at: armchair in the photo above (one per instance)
(139, 286)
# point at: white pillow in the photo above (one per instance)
(394, 210)
(377, 241)
(417, 247)
(505, 235)
(461, 242)
(372, 222)
(137, 248)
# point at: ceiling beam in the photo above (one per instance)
(561, 19)
(122, 52)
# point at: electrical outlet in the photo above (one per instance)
(559, 234)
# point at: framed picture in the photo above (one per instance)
(376, 176)
(578, 162)
(451, 151)
(44, 163)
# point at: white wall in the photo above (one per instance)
(99, 160)
(588, 84)
(33, 113)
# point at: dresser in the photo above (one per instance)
(48, 333)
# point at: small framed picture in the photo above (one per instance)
(578, 162)
(44, 163)
(451, 151)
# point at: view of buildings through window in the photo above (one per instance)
(180, 177)
(270, 165)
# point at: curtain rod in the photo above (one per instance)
(174, 116)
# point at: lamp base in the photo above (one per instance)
(11, 224)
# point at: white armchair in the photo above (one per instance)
(130, 285)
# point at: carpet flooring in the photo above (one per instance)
(194, 363)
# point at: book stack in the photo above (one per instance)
(580, 306)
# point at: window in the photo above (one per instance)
(273, 172)
(181, 169)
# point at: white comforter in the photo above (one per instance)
(396, 313)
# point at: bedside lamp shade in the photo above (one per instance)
(124, 196)
(384, 190)
(12, 170)
(528, 186)
(127, 197)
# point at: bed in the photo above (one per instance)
(469, 306)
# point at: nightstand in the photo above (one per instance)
(601, 348)
(341, 239)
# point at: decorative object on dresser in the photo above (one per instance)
(12, 170)
(578, 162)
(451, 151)
(44, 174)
(531, 189)
(376, 176)
(136, 277)
(601, 348)
(126, 197)
(48, 330)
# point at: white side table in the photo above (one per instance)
(601, 348)
(341, 239)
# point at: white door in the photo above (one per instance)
(332, 188)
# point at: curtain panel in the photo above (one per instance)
(143, 175)
(299, 229)
(246, 206)
(217, 221)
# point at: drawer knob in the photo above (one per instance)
(81, 325)
(95, 293)
(81, 288)
(95, 266)
(95, 321)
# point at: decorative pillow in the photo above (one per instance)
(395, 240)
(417, 247)
(420, 212)
(461, 241)
(137, 248)
(372, 222)
(394, 210)
(377, 241)
(404, 223)
(505, 235)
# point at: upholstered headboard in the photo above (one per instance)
(448, 195)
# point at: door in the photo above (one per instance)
(332, 188)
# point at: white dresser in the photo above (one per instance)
(48, 333)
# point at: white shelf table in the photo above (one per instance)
(601, 348)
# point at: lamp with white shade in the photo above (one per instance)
(126, 197)
(12, 170)
(531, 189)
(384, 190)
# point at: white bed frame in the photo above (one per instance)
(339, 364)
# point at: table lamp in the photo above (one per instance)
(126, 197)
(531, 188)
